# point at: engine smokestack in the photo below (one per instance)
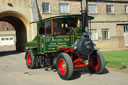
(84, 15)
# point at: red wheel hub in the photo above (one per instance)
(62, 66)
(29, 59)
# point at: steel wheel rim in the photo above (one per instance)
(62, 66)
(29, 59)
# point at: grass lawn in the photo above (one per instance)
(118, 58)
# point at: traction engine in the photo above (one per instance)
(62, 45)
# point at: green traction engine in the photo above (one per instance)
(63, 44)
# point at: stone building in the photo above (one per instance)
(18, 14)
(109, 28)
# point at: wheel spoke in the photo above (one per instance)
(62, 66)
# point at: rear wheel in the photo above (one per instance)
(97, 62)
(64, 66)
(30, 60)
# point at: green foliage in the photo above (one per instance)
(118, 58)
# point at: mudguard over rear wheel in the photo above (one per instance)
(64, 66)
(97, 62)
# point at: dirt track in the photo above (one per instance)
(13, 71)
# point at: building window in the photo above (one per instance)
(47, 27)
(94, 35)
(11, 38)
(7, 38)
(105, 34)
(125, 28)
(5, 28)
(64, 8)
(2, 39)
(109, 9)
(92, 8)
(46, 7)
(126, 8)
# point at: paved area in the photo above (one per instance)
(13, 71)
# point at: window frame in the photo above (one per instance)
(2, 39)
(126, 9)
(125, 28)
(5, 28)
(45, 8)
(47, 27)
(111, 9)
(107, 36)
(96, 34)
(65, 4)
(95, 9)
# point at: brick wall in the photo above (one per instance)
(4, 25)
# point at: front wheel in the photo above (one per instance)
(97, 62)
(64, 66)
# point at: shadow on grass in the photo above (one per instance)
(6, 53)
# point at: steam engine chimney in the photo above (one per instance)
(84, 13)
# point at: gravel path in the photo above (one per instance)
(13, 71)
